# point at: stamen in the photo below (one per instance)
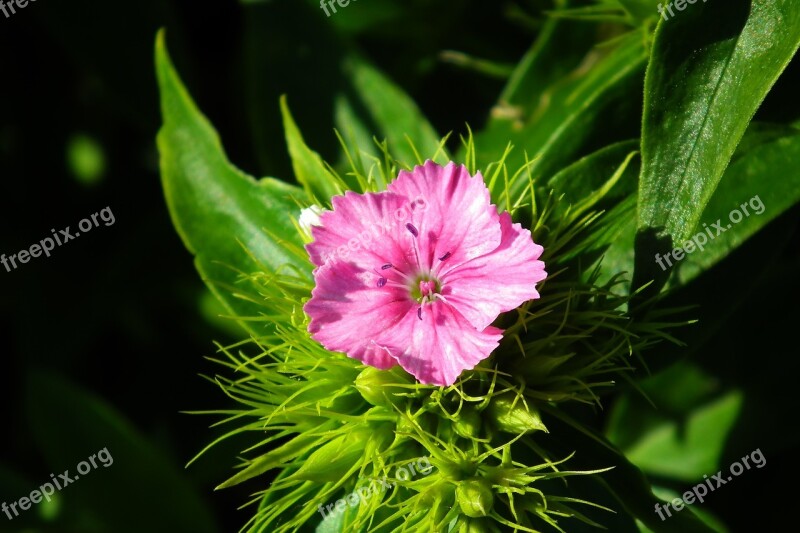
(386, 266)
(411, 229)
(419, 312)
(445, 256)
(382, 282)
(437, 296)
(400, 273)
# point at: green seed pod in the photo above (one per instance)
(376, 387)
(335, 458)
(517, 419)
(475, 497)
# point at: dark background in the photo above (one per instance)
(119, 312)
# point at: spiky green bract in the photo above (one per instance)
(326, 426)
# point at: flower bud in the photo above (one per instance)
(376, 387)
(512, 416)
(335, 458)
(475, 497)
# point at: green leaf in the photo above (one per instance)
(673, 393)
(763, 182)
(703, 514)
(711, 66)
(333, 460)
(224, 217)
(392, 114)
(70, 425)
(762, 166)
(309, 169)
(684, 447)
(557, 51)
(560, 127)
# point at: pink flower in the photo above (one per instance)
(417, 274)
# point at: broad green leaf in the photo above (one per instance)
(69, 425)
(392, 114)
(333, 460)
(674, 392)
(561, 126)
(763, 166)
(764, 183)
(557, 50)
(355, 133)
(702, 513)
(710, 68)
(309, 169)
(675, 441)
(225, 218)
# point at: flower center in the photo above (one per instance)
(424, 287)
(427, 288)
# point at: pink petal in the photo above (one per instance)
(365, 229)
(499, 281)
(348, 310)
(438, 348)
(455, 213)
